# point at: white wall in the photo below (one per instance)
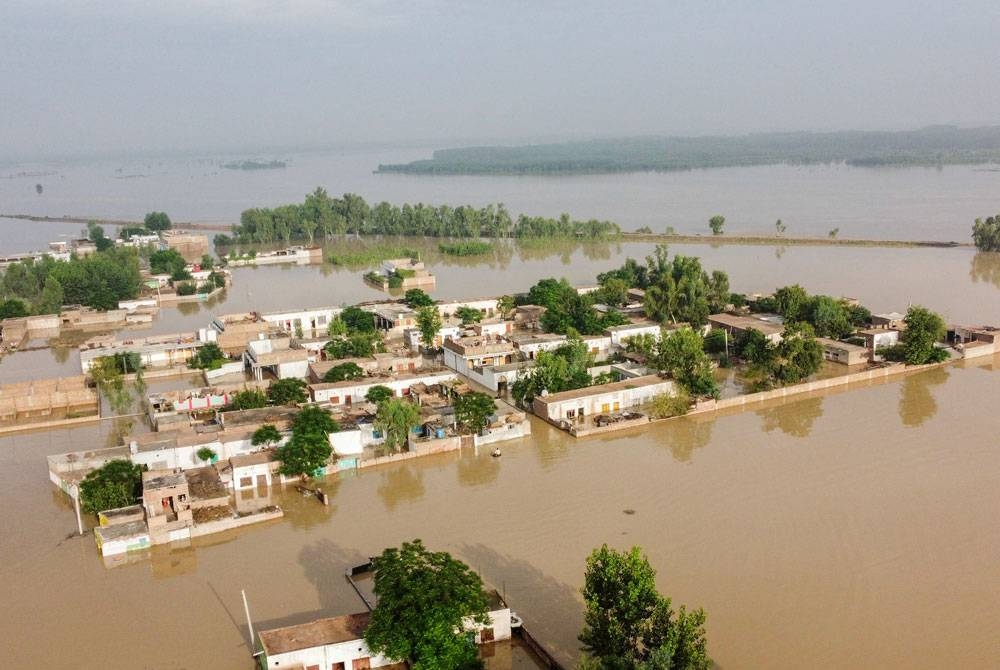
(325, 656)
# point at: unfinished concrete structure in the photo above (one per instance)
(44, 402)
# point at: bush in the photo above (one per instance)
(186, 288)
(667, 405)
(715, 341)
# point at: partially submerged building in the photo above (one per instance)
(578, 407)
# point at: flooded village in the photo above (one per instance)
(203, 403)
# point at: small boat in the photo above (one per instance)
(495, 453)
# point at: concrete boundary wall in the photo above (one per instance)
(875, 374)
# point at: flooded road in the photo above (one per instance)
(859, 529)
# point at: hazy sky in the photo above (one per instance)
(82, 75)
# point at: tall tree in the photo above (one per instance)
(924, 328)
(429, 323)
(266, 435)
(395, 418)
(629, 625)
(473, 410)
(157, 221)
(309, 448)
(716, 223)
(682, 354)
(416, 297)
(424, 600)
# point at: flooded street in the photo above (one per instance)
(853, 530)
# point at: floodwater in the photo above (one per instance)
(857, 529)
(854, 529)
(894, 203)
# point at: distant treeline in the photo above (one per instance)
(935, 145)
(254, 165)
(325, 216)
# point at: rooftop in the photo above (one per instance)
(632, 326)
(121, 530)
(158, 479)
(638, 382)
(315, 633)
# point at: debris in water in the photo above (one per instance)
(629, 511)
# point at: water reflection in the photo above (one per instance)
(400, 484)
(685, 435)
(302, 509)
(985, 267)
(478, 469)
(188, 308)
(916, 402)
(794, 419)
(521, 583)
(323, 562)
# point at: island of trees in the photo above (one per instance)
(326, 216)
(935, 145)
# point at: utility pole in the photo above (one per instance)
(253, 641)
(76, 506)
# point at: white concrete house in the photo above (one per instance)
(628, 394)
(487, 305)
(278, 358)
(351, 391)
(620, 334)
(530, 345)
(312, 322)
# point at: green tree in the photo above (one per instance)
(562, 369)
(208, 357)
(117, 483)
(337, 327)
(716, 223)
(266, 435)
(798, 355)
(394, 419)
(682, 354)
(829, 317)
(289, 391)
(629, 625)
(339, 373)
(168, 262)
(416, 297)
(779, 227)
(429, 323)
(792, 302)
(505, 305)
(924, 328)
(206, 454)
(986, 233)
(247, 399)
(95, 234)
(614, 292)
(357, 319)
(469, 315)
(379, 394)
(355, 345)
(108, 377)
(473, 410)
(51, 299)
(681, 291)
(12, 309)
(157, 221)
(309, 448)
(424, 599)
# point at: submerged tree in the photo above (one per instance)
(473, 410)
(716, 224)
(309, 448)
(424, 601)
(986, 233)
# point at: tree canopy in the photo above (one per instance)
(378, 394)
(566, 311)
(395, 418)
(924, 328)
(682, 354)
(208, 357)
(416, 297)
(117, 483)
(473, 410)
(344, 371)
(266, 435)
(289, 391)
(424, 600)
(429, 322)
(716, 223)
(562, 369)
(629, 625)
(986, 233)
(157, 221)
(98, 280)
(309, 448)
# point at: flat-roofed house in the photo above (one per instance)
(843, 352)
(893, 320)
(621, 334)
(770, 326)
(580, 403)
(878, 338)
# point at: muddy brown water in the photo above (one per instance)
(857, 529)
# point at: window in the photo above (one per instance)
(246, 482)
